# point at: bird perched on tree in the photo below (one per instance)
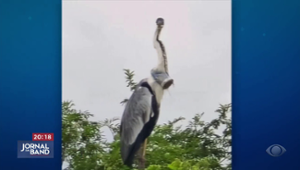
(143, 108)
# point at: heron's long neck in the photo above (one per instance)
(161, 52)
(158, 90)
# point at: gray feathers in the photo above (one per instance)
(136, 114)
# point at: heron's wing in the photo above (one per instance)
(136, 114)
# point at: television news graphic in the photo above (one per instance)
(41, 146)
(42, 136)
(276, 150)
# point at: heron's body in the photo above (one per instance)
(143, 107)
(142, 116)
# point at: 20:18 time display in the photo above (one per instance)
(42, 136)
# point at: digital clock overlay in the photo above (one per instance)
(42, 136)
(265, 81)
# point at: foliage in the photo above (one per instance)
(197, 146)
(82, 141)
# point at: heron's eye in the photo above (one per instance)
(275, 150)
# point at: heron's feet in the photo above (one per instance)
(142, 163)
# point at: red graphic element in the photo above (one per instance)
(42, 136)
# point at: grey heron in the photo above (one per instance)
(143, 107)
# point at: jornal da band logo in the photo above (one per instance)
(37, 148)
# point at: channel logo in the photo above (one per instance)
(275, 150)
(39, 147)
